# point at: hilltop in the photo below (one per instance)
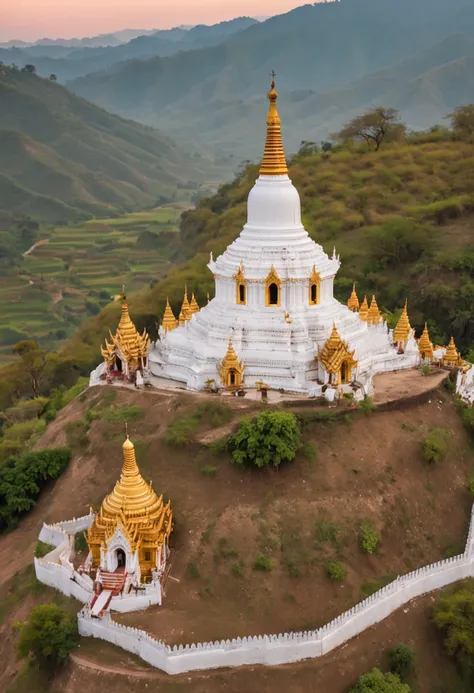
(331, 59)
(65, 159)
(362, 470)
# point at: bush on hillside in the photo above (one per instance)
(22, 479)
(435, 445)
(377, 682)
(453, 616)
(369, 539)
(266, 441)
(49, 635)
(336, 571)
(402, 660)
(182, 429)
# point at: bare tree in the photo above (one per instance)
(373, 127)
(34, 362)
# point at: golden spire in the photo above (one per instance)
(169, 322)
(273, 162)
(403, 328)
(193, 306)
(127, 339)
(373, 316)
(451, 356)
(353, 302)
(425, 346)
(185, 313)
(364, 310)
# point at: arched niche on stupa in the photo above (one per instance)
(240, 287)
(273, 289)
(314, 288)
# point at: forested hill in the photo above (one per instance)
(62, 158)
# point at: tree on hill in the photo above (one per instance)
(34, 362)
(454, 616)
(53, 78)
(29, 68)
(266, 441)
(377, 682)
(373, 127)
(49, 635)
(462, 122)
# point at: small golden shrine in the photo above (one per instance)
(144, 520)
(273, 161)
(231, 369)
(402, 331)
(194, 306)
(336, 358)
(364, 310)
(169, 322)
(425, 346)
(373, 315)
(128, 349)
(353, 302)
(452, 356)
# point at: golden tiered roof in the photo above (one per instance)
(194, 306)
(127, 340)
(143, 517)
(335, 352)
(425, 346)
(231, 362)
(273, 161)
(169, 322)
(373, 315)
(185, 313)
(364, 310)
(403, 328)
(451, 356)
(353, 302)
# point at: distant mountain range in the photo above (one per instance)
(112, 39)
(68, 60)
(63, 158)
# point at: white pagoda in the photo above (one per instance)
(274, 318)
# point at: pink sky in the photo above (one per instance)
(29, 19)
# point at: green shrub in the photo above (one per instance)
(42, 549)
(336, 571)
(263, 562)
(180, 431)
(208, 470)
(237, 569)
(23, 477)
(77, 434)
(219, 446)
(367, 406)
(369, 539)
(435, 445)
(402, 660)
(377, 682)
(66, 396)
(49, 635)
(267, 440)
(123, 414)
(470, 483)
(467, 414)
(80, 542)
(425, 369)
(309, 451)
(214, 413)
(453, 615)
(327, 533)
(50, 414)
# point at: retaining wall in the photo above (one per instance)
(288, 647)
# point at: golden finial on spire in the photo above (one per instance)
(402, 331)
(425, 346)
(169, 321)
(193, 306)
(273, 161)
(364, 310)
(451, 357)
(373, 316)
(353, 302)
(185, 308)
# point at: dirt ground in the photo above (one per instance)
(365, 469)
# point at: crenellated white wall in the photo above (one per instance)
(288, 647)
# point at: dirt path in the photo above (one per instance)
(121, 671)
(36, 245)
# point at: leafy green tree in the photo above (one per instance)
(49, 635)
(53, 78)
(454, 616)
(34, 362)
(377, 682)
(399, 240)
(373, 127)
(462, 122)
(402, 660)
(266, 441)
(435, 445)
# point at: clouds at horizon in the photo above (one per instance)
(29, 20)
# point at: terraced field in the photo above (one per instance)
(74, 271)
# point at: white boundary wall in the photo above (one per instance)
(289, 647)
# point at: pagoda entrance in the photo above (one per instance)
(118, 364)
(345, 372)
(233, 378)
(120, 555)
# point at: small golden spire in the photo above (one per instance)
(373, 316)
(193, 306)
(231, 368)
(403, 328)
(169, 321)
(353, 302)
(364, 310)
(185, 307)
(273, 161)
(425, 346)
(451, 356)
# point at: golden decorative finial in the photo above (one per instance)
(425, 346)
(185, 308)
(193, 306)
(364, 310)
(451, 356)
(353, 302)
(169, 321)
(208, 299)
(402, 331)
(273, 161)
(373, 316)
(126, 429)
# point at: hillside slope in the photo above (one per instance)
(78, 158)
(313, 49)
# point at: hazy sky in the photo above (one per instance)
(30, 19)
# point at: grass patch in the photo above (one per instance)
(224, 551)
(80, 542)
(327, 533)
(77, 434)
(369, 588)
(263, 563)
(238, 568)
(123, 414)
(435, 445)
(208, 470)
(181, 431)
(192, 571)
(42, 549)
(20, 586)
